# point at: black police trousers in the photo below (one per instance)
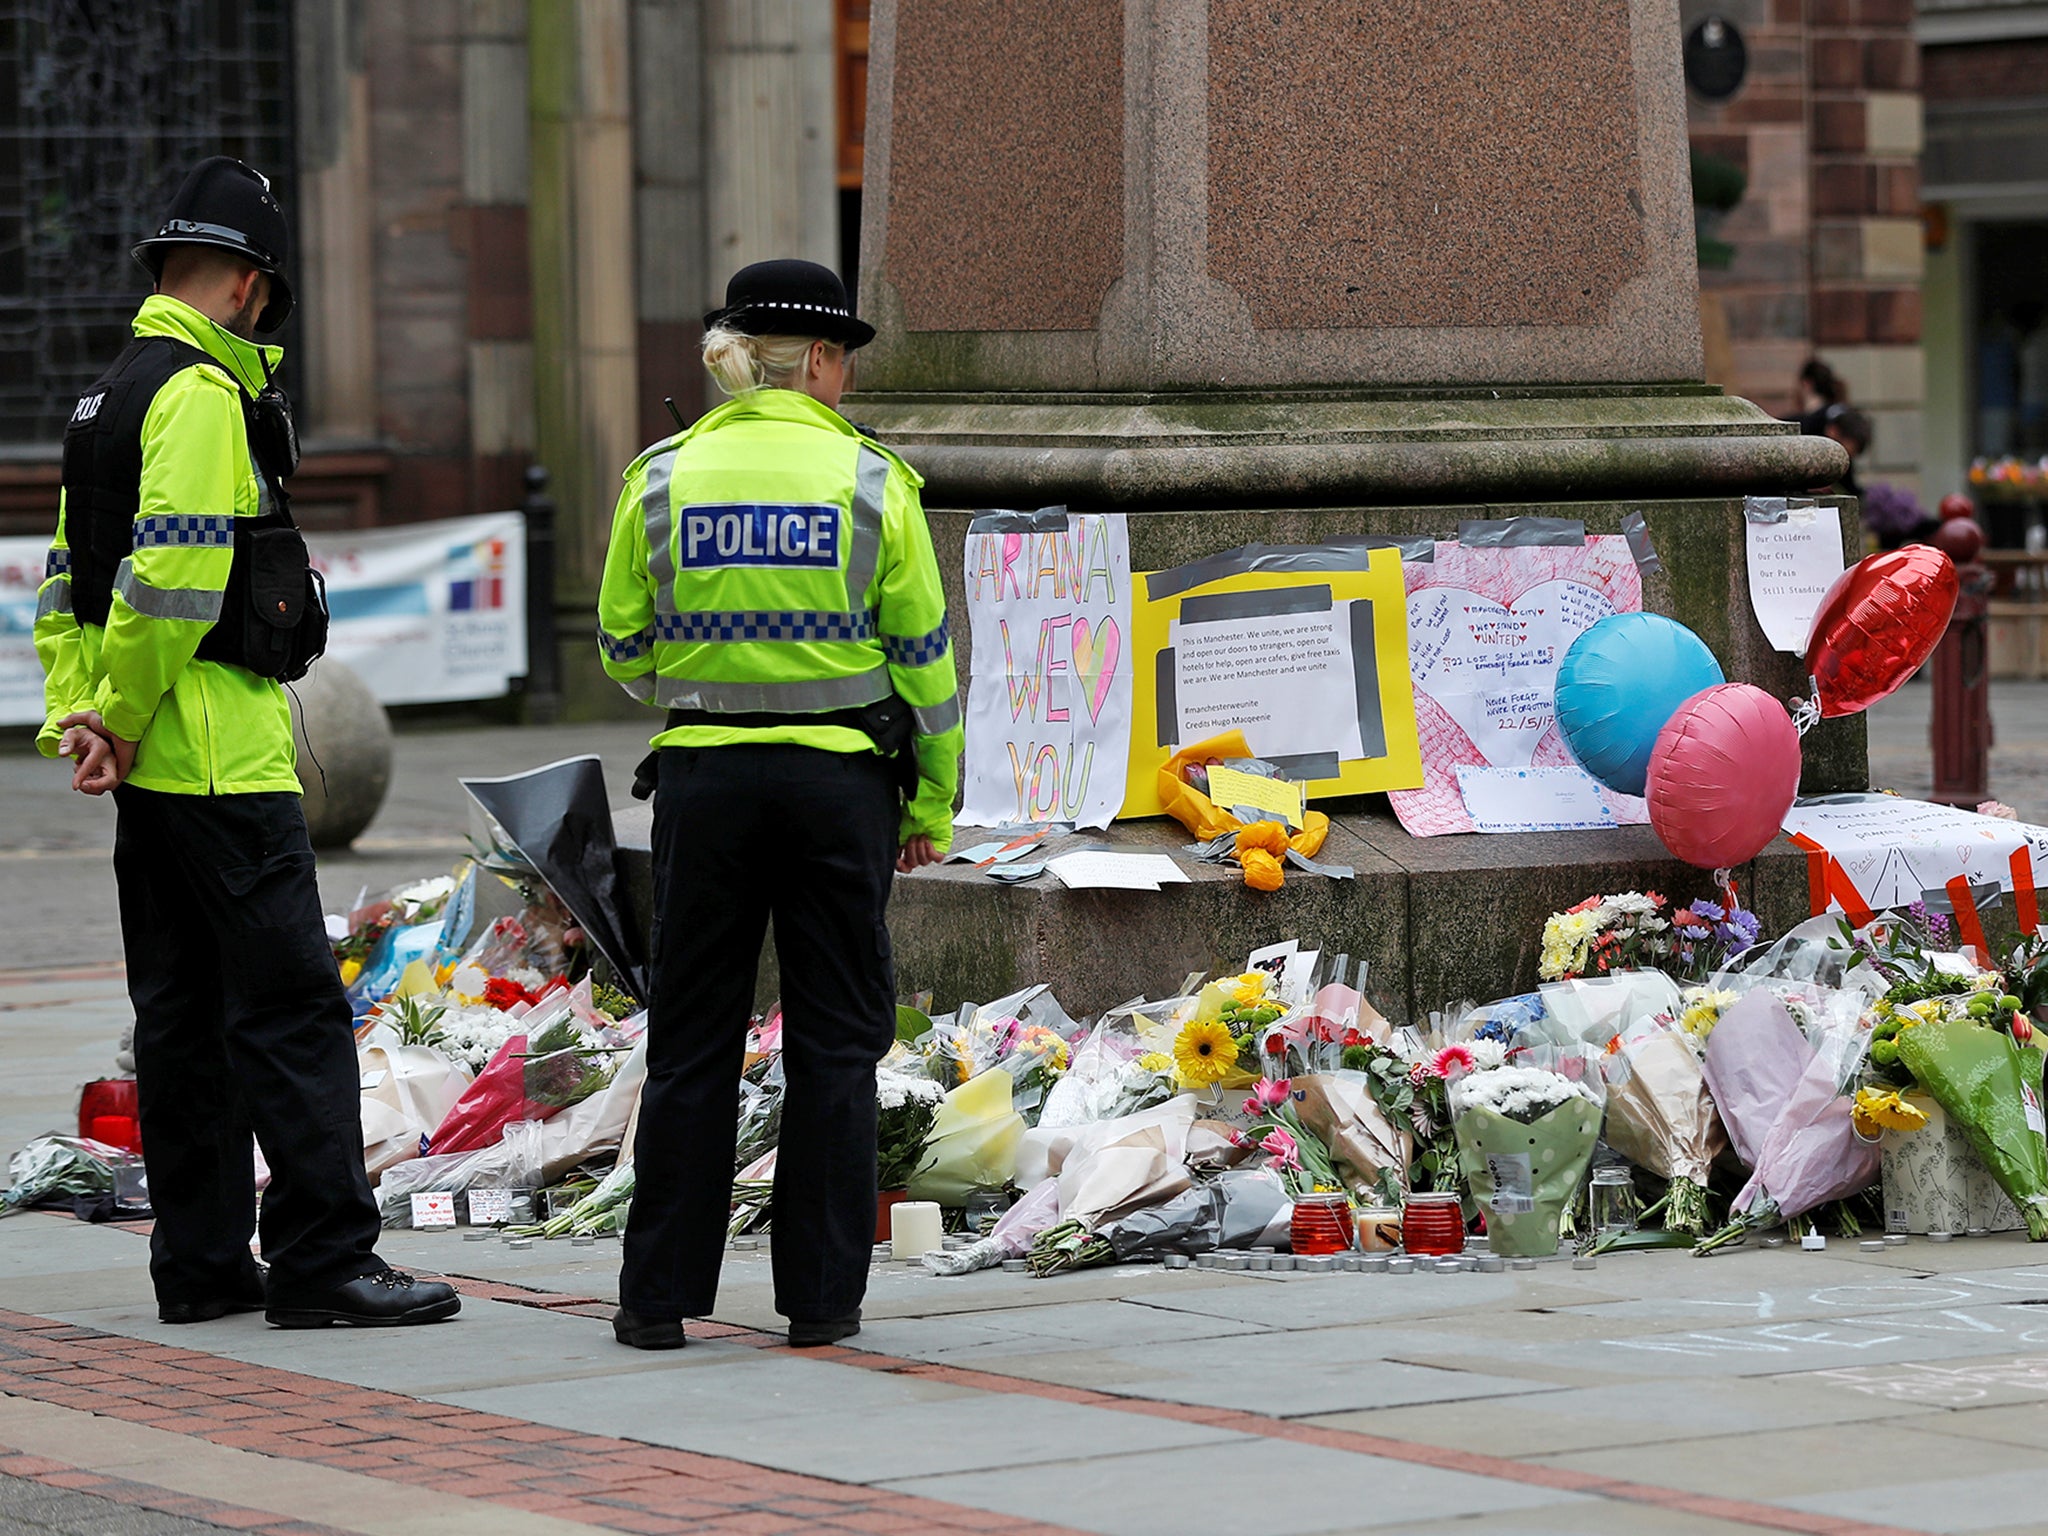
(743, 836)
(240, 1024)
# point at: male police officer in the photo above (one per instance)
(771, 584)
(176, 594)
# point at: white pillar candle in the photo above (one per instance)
(914, 1229)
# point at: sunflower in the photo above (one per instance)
(1877, 1111)
(1204, 1052)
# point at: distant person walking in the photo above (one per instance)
(1818, 390)
(771, 584)
(177, 593)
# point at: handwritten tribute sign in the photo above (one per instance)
(1791, 566)
(1049, 684)
(1487, 629)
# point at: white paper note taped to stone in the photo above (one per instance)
(1791, 566)
(1285, 679)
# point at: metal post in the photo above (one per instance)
(1961, 728)
(543, 655)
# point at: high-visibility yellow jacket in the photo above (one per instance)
(772, 560)
(202, 727)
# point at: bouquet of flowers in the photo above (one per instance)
(1526, 1134)
(1218, 1043)
(1661, 1116)
(1786, 1103)
(1987, 1082)
(1289, 1145)
(1409, 1079)
(1605, 933)
(905, 1108)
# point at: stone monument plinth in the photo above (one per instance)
(1252, 271)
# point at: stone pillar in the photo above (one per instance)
(668, 153)
(334, 222)
(771, 172)
(581, 233)
(496, 185)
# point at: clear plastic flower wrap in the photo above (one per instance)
(1661, 1117)
(515, 1162)
(49, 1167)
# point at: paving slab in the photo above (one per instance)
(840, 1421)
(1275, 1488)
(1636, 1413)
(1989, 1501)
(1791, 1462)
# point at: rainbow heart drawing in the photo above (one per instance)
(1096, 651)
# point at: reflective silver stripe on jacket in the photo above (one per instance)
(813, 696)
(640, 688)
(654, 507)
(55, 598)
(870, 487)
(936, 719)
(201, 605)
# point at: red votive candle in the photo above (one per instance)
(1321, 1224)
(1433, 1224)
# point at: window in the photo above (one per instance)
(103, 108)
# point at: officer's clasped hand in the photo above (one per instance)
(915, 854)
(103, 760)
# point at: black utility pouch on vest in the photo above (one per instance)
(283, 613)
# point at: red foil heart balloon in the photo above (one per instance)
(1880, 620)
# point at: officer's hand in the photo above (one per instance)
(916, 853)
(94, 772)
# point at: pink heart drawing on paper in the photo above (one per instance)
(1096, 649)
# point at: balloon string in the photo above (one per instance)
(1806, 711)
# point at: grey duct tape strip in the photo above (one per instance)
(1332, 871)
(1337, 555)
(1773, 509)
(1309, 766)
(1224, 606)
(1044, 520)
(1636, 529)
(1986, 896)
(1520, 532)
(1166, 702)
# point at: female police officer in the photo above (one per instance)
(771, 584)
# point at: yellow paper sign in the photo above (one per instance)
(1310, 664)
(1232, 787)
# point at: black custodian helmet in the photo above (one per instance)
(228, 205)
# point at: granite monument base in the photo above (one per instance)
(1441, 920)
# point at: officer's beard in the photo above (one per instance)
(243, 322)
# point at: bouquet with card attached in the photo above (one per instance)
(1526, 1132)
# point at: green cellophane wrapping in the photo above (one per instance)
(1982, 1080)
(1558, 1146)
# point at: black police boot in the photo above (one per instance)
(386, 1299)
(629, 1327)
(248, 1297)
(828, 1330)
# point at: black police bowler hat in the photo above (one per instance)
(790, 298)
(226, 204)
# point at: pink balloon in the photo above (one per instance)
(1722, 776)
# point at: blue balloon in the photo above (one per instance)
(1617, 687)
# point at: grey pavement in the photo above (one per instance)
(1906, 1388)
(31, 1509)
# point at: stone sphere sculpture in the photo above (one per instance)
(336, 719)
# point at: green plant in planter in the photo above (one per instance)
(1718, 184)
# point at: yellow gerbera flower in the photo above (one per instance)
(1879, 1110)
(1204, 1052)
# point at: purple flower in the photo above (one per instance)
(1890, 512)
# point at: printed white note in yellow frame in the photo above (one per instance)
(1304, 650)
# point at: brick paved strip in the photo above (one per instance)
(84, 1486)
(592, 1479)
(1445, 1458)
